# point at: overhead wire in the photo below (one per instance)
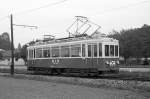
(38, 8)
(41, 7)
(2, 18)
(62, 1)
(126, 6)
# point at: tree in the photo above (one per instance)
(5, 41)
(19, 47)
(1, 56)
(133, 42)
(18, 52)
(24, 53)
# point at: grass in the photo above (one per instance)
(134, 66)
(125, 75)
(18, 71)
(135, 75)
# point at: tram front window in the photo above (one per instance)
(106, 50)
(111, 50)
(95, 50)
(100, 49)
(83, 50)
(116, 50)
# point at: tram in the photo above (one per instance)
(82, 54)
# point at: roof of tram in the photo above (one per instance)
(94, 37)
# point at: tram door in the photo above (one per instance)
(92, 54)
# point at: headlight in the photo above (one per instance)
(107, 63)
(111, 63)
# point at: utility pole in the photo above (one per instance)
(12, 46)
(12, 42)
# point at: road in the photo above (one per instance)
(11, 88)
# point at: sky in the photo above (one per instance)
(53, 17)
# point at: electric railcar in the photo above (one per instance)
(82, 54)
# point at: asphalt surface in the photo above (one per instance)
(11, 88)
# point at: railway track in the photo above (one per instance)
(119, 76)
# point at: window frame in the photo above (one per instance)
(30, 52)
(36, 52)
(65, 47)
(108, 51)
(78, 45)
(54, 51)
(117, 51)
(100, 52)
(48, 49)
(112, 50)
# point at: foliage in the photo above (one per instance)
(134, 42)
(4, 41)
(24, 53)
(17, 55)
(18, 52)
(1, 56)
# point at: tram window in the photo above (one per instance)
(31, 52)
(106, 50)
(95, 50)
(116, 50)
(89, 51)
(100, 49)
(111, 50)
(39, 53)
(34, 53)
(76, 50)
(55, 51)
(83, 50)
(65, 51)
(46, 52)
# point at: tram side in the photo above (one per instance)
(87, 56)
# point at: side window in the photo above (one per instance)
(46, 52)
(106, 50)
(111, 50)
(89, 51)
(100, 49)
(31, 53)
(83, 50)
(116, 50)
(65, 51)
(95, 50)
(76, 50)
(39, 53)
(55, 51)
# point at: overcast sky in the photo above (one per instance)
(54, 20)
